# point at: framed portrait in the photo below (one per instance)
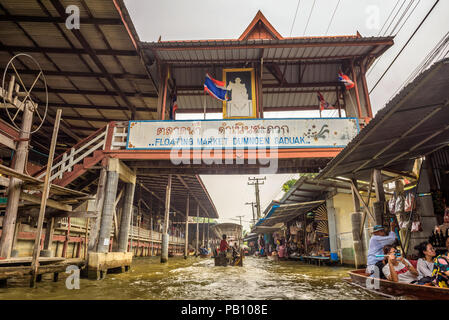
(241, 87)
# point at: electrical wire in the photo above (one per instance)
(408, 6)
(332, 18)
(402, 17)
(413, 10)
(308, 19)
(388, 18)
(294, 19)
(405, 45)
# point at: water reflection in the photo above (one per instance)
(198, 278)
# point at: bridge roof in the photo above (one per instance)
(182, 187)
(294, 68)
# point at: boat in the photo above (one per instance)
(394, 289)
(223, 261)
(273, 257)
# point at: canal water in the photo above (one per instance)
(197, 278)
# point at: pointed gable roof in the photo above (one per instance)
(260, 28)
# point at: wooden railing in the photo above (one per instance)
(65, 162)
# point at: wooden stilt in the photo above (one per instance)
(66, 241)
(197, 227)
(45, 192)
(186, 240)
(165, 238)
(14, 189)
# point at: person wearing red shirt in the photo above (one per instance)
(224, 245)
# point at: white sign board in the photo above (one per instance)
(241, 133)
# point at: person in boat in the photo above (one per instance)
(224, 246)
(441, 269)
(261, 243)
(443, 227)
(398, 269)
(425, 264)
(282, 249)
(378, 241)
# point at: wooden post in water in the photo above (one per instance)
(66, 241)
(86, 236)
(48, 238)
(197, 227)
(45, 192)
(186, 240)
(165, 238)
(204, 232)
(15, 185)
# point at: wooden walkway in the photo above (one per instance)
(21, 267)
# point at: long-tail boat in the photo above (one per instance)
(395, 289)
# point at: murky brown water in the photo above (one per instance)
(198, 278)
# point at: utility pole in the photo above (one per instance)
(256, 182)
(253, 204)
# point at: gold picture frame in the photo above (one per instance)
(253, 92)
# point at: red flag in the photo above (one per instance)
(323, 103)
(344, 79)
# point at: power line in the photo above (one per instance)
(386, 20)
(391, 22)
(405, 45)
(308, 19)
(402, 17)
(413, 10)
(332, 18)
(380, 31)
(294, 19)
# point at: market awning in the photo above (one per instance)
(413, 124)
(265, 229)
(286, 212)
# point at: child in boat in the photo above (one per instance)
(398, 269)
(426, 253)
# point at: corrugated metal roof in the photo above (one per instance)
(76, 81)
(414, 123)
(179, 193)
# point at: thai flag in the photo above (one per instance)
(215, 88)
(344, 79)
(323, 103)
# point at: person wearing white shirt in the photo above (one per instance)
(398, 269)
(425, 264)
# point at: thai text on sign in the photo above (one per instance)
(248, 133)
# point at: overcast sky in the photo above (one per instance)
(219, 19)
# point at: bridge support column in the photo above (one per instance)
(126, 217)
(165, 238)
(99, 200)
(108, 211)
